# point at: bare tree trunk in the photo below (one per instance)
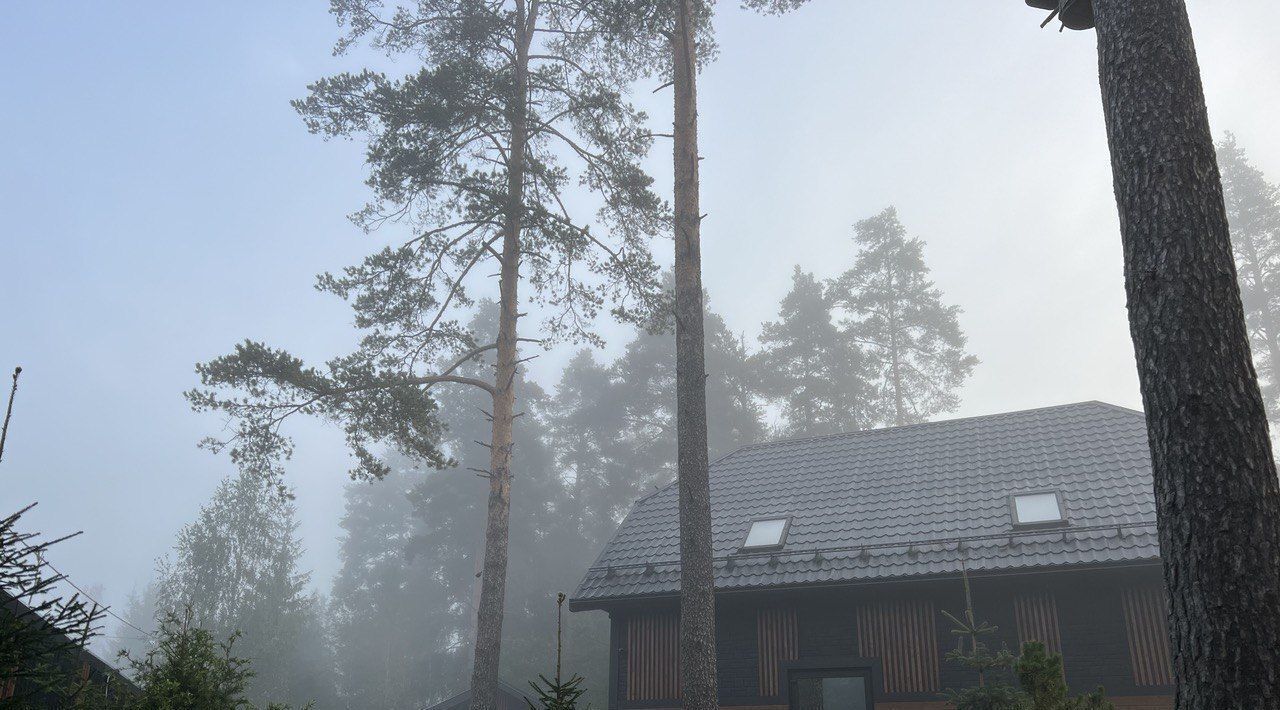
(697, 581)
(1217, 496)
(493, 578)
(8, 410)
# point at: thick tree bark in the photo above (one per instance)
(1215, 480)
(493, 578)
(697, 580)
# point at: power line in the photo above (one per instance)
(100, 605)
(64, 578)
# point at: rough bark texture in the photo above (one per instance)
(697, 581)
(493, 578)
(1215, 480)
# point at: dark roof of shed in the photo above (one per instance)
(509, 698)
(907, 501)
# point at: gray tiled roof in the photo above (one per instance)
(905, 501)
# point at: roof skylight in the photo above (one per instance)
(1037, 508)
(766, 533)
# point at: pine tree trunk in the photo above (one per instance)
(493, 578)
(1217, 497)
(697, 582)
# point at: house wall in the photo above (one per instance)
(840, 625)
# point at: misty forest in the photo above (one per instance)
(557, 354)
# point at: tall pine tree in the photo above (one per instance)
(896, 314)
(1253, 209)
(815, 373)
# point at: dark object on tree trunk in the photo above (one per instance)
(1074, 14)
(1217, 497)
(697, 581)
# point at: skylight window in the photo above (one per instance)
(767, 533)
(1037, 509)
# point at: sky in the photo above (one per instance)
(160, 201)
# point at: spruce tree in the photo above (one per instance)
(895, 313)
(813, 371)
(1253, 211)
(191, 668)
(235, 567)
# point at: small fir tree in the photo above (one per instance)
(973, 653)
(189, 669)
(558, 693)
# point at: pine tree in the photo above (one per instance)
(912, 339)
(1253, 210)
(991, 692)
(235, 567)
(468, 151)
(814, 372)
(1206, 420)
(406, 596)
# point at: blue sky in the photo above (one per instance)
(160, 201)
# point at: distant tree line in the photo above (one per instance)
(873, 346)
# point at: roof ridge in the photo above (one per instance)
(919, 425)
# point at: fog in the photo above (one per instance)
(162, 202)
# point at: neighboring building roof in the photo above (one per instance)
(509, 698)
(101, 673)
(904, 502)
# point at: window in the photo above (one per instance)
(765, 534)
(1037, 509)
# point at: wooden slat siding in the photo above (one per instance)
(777, 640)
(902, 634)
(1037, 617)
(653, 657)
(1145, 620)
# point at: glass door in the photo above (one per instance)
(831, 690)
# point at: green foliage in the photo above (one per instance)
(1041, 682)
(912, 340)
(556, 694)
(997, 696)
(497, 94)
(1041, 678)
(973, 653)
(189, 670)
(818, 375)
(42, 632)
(235, 567)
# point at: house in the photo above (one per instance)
(509, 698)
(835, 556)
(99, 679)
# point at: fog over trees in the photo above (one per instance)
(591, 248)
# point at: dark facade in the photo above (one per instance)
(1108, 624)
(98, 677)
(836, 556)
